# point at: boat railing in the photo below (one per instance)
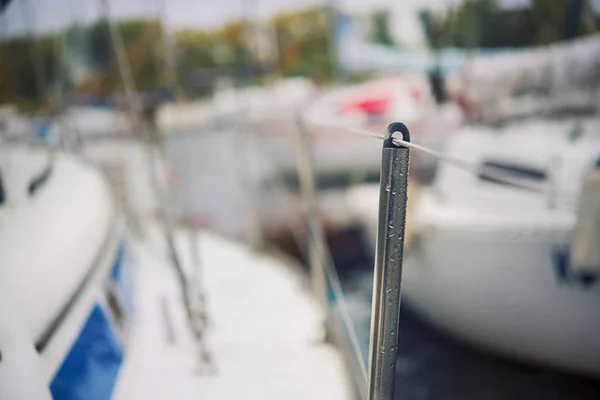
(374, 377)
(377, 379)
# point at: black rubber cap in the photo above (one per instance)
(393, 128)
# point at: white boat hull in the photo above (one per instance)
(501, 286)
(87, 313)
(508, 291)
(60, 261)
(489, 262)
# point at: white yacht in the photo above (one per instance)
(488, 261)
(92, 312)
(370, 105)
(63, 275)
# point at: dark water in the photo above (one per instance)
(433, 366)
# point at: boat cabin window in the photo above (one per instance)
(493, 171)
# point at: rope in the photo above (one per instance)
(464, 165)
(331, 273)
(336, 286)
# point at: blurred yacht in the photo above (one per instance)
(486, 259)
(91, 311)
(64, 279)
(370, 105)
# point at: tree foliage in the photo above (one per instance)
(482, 23)
(302, 47)
(380, 30)
(304, 43)
(89, 65)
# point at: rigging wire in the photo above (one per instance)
(36, 56)
(68, 136)
(473, 168)
(170, 76)
(135, 105)
(327, 260)
(329, 266)
(195, 317)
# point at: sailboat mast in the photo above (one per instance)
(333, 38)
(36, 57)
(135, 104)
(168, 51)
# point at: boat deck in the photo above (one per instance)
(264, 333)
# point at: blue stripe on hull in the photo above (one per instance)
(90, 369)
(123, 280)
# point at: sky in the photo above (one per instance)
(51, 15)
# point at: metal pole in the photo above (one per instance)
(151, 135)
(245, 185)
(36, 56)
(333, 39)
(199, 301)
(123, 66)
(316, 237)
(385, 315)
(169, 56)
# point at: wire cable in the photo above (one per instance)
(329, 266)
(135, 104)
(462, 164)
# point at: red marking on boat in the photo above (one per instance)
(368, 106)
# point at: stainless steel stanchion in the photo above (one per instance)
(585, 253)
(247, 195)
(316, 237)
(388, 266)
